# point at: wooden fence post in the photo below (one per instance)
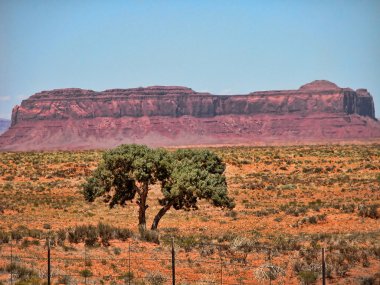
(323, 267)
(173, 262)
(11, 262)
(48, 260)
(129, 264)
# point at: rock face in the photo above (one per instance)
(317, 112)
(4, 125)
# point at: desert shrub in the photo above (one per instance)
(266, 212)
(17, 235)
(8, 186)
(86, 273)
(253, 186)
(227, 236)
(243, 244)
(25, 243)
(268, 272)
(139, 282)
(20, 272)
(156, 278)
(187, 242)
(270, 188)
(123, 234)
(232, 214)
(350, 253)
(74, 236)
(311, 220)
(337, 264)
(46, 226)
(285, 243)
(307, 265)
(365, 260)
(316, 205)
(87, 262)
(288, 187)
(309, 170)
(128, 276)
(149, 236)
(9, 178)
(294, 209)
(370, 280)
(117, 251)
(64, 279)
(308, 277)
(30, 281)
(376, 251)
(206, 250)
(61, 237)
(4, 237)
(106, 233)
(347, 208)
(369, 211)
(34, 233)
(91, 236)
(88, 234)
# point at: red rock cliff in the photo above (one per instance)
(158, 115)
(180, 101)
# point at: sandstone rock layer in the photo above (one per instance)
(317, 112)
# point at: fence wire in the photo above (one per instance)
(138, 264)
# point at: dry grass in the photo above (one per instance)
(287, 198)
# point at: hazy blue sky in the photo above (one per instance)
(217, 46)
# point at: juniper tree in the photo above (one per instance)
(127, 172)
(194, 175)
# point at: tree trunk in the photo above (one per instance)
(142, 218)
(143, 207)
(160, 214)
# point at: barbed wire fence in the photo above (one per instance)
(131, 262)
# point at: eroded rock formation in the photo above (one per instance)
(165, 116)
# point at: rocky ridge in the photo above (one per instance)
(73, 118)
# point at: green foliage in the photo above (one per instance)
(117, 250)
(283, 242)
(369, 280)
(4, 237)
(61, 237)
(185, 176)
(149, 236)
(196, 174)
(128, 276)
(308, 277)
(123, 234)
(156, 278)
(64, 279)
(106, 232)
(30, 281)
(90, 234)
(187, 242)
(294, 208)
(85, 273)
(78, 234)
(311, 220)
(369, 211)
(121, 170)
(20, 272)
